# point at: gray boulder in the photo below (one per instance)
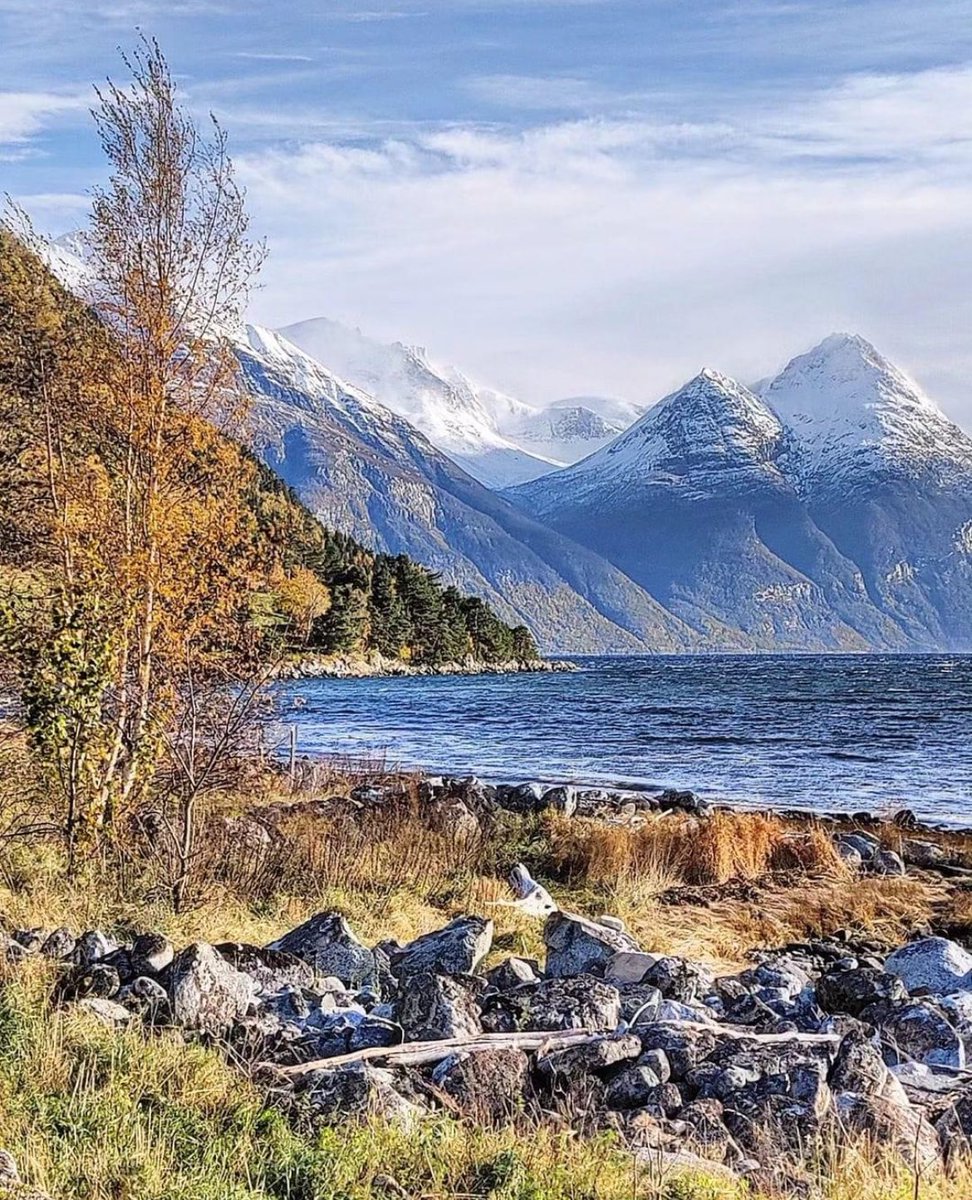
(934, 965)
(632, 1087)
(92, 946)
(327, 944)
(271, 970)
(892, 1123)
(576, 945)
(359, 1091)
(918, 1031)
(887, 862)
(59, 944)
(853, 991)
(457, 949)
(431, 1007)
(489, 1085)
(205, 992)
(590, 1058)
(150, 954)
(580, 1002)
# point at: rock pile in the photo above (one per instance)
(746, 1070)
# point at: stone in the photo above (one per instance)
(513, 973)
(918, 1031)
(455, 820)
(685, 1049)
(150, 954)
(271, 970)
(853, 991)
(576, 945)
(432, 1007)
(706, 1129)
(918, 853)
(954, 1126)
(524, 798)
(887, 862)
(628, 966)
(864, 844)
(359, 1091)
(859, 1067)
(327, 944)
(488, 1085)
(580, 1002)
(108, 1012)
(560, 799)
(206, 993)
(632, 1087)
(657, 1060)
(679, 978)
(894, 1124)
(934, 965)
(59, 944)
(457, 949)
(591, 1058)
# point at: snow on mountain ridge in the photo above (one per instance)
(853, 414)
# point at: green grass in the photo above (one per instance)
(135, 1116)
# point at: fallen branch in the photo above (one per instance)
(419, 1054)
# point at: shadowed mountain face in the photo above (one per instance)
(830, 513)
(367, 471)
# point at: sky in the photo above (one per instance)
(562, 197)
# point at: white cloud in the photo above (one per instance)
(619, 255)
(24, 114)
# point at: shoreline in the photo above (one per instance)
(377, 666)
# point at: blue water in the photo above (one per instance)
(822, 732)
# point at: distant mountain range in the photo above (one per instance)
(498, 439)
(828, 509)
(832, 511)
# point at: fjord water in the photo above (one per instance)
(819, 732)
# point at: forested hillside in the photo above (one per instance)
(285, 583)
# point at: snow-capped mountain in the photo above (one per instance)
(456, 416)
(888, 478)
(497, 438)
(855, 417)
(695, 503)
(365, 470)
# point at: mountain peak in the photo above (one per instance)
(850, 410)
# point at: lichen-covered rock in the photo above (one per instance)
(679, 979)
(894, 1124)
(934, 965)
(108, 1012)
(580, 1002)
(918, 1031)
(205, 992)
(431, 1007)
(853, 991)
(327, 944)
(271, 970)
(577, 946)
(358, 1091)
(513, 973)
(92, 946)
(488, 1085)
(589, 1058)
(456, 949)
(632, 1087)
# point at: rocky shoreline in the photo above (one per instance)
(750, 1073)
(374, 665)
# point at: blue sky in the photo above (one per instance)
(561, 197)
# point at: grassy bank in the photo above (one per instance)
(93, 1113)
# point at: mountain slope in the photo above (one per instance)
(441, 402)
(693, 503)
(367, 471)
(888, 478)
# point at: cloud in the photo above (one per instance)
(25, 114)
(619, 255)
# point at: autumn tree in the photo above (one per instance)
(150, 538)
